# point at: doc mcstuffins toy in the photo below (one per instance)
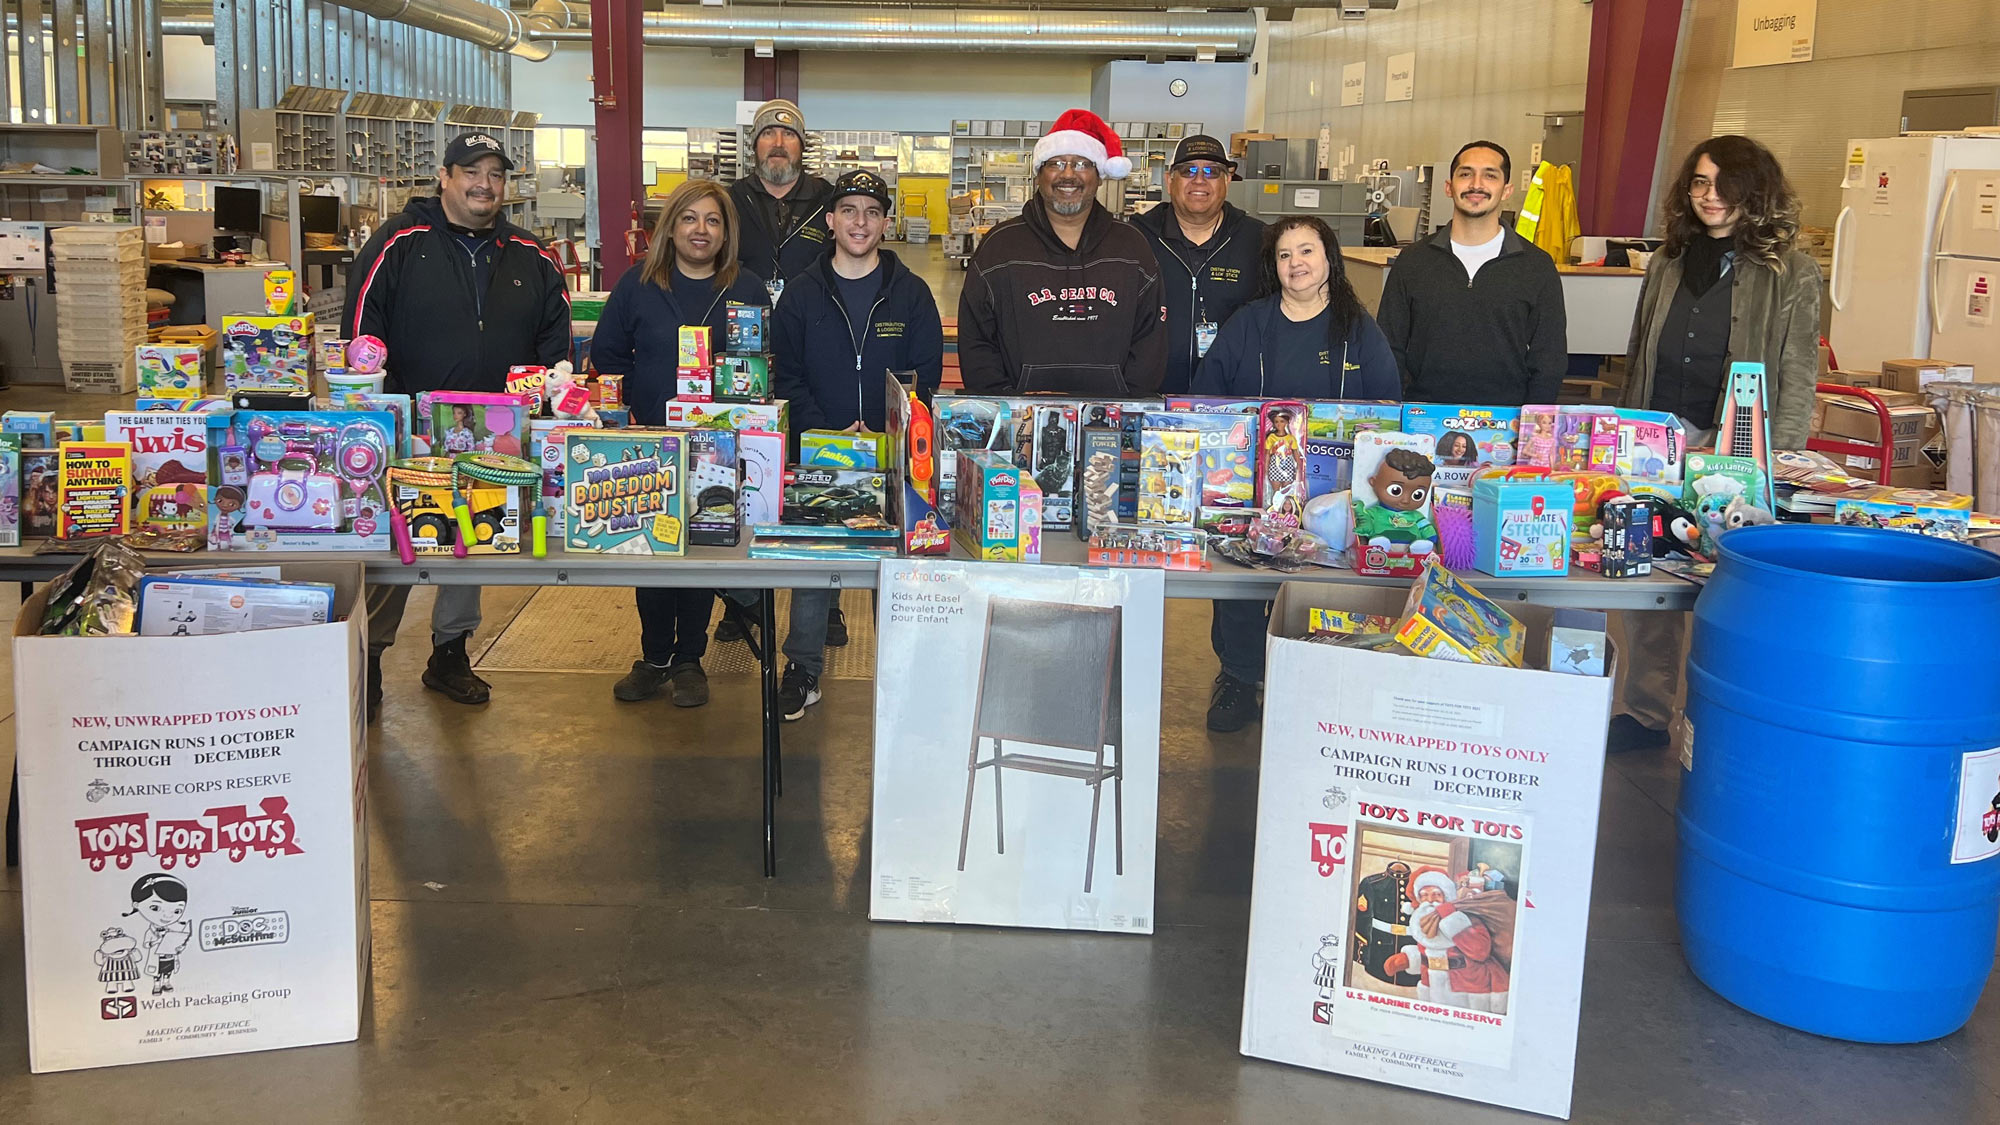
(1393, 532)
(311, 480)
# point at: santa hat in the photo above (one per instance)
(1079, 132)
(1433, 877)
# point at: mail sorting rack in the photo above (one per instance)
(1073, 705)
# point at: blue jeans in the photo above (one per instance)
(805, 641)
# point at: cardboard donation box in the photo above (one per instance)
(193, 849)
(1017, 745)
(1425, 834)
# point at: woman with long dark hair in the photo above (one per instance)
(689, 277)
(1729, 286)
(1308, 337)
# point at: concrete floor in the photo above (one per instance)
(603, 948)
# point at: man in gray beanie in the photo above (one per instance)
(780, 204)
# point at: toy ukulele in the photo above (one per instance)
(1744, 429)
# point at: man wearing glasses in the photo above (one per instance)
(1474, 313)
(1208, 251)
(1064, 299)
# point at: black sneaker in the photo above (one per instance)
(1232, 705)
(1627, 734)
(727, 630)
(796, 692)
(690, 685)
(374, 684)
(643, 682)
(836, 629)
(450, 673)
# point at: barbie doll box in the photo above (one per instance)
(194, 848)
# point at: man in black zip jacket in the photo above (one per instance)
(857, 313)
(1474, 313)
(459, 295)
(1209, 252)
(1066, 298)
(780, 205)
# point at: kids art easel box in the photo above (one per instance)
(193, 848)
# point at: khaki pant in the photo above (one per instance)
(1652, 650)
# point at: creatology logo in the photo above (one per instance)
(1081, 293)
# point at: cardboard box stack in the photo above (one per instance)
(1917, 453)
(100, 273)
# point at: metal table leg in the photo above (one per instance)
(761, 638)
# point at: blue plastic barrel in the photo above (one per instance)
(1838, 677)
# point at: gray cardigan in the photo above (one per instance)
(1773, 320)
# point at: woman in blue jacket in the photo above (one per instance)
(1309, 338)
(689, 278)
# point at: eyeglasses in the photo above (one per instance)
(1070, 164)
(1201, 172)
(1702, 185)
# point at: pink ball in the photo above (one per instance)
(366, 354)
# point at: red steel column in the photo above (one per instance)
(775, 77)
(618, 82)
(1625, 101)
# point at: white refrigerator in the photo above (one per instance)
(1885, 244)
(1965, 273)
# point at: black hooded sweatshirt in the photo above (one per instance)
(1036, 315)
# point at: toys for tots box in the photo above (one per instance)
(193, 849)
(1425, 834)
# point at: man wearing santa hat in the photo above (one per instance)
(1454, 954)
(1065, 298)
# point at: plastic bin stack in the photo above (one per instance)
(100, 272)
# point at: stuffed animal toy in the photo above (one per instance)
(567, 398)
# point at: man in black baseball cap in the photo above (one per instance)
(855, 315)
(1208, 251)
(459, 295)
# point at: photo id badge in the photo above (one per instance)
(1204, 338)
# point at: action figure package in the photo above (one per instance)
(1393, 532)
(1469, 438)
(1447, 619)
(1281, 463)
(1054, 462)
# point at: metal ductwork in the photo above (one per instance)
(529, 35)
(496, 29)
(801, 28)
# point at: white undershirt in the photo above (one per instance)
(1475, 256)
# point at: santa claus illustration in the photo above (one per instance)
(1464, 943)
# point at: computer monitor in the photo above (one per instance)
(319, 214)
(239, 210)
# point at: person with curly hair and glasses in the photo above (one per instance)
(1729, 286)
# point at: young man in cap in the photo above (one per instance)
(1474, 313)
(1210, 254)
(1066, 298)
(779, 203)
(856, 314)
(459, 295)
